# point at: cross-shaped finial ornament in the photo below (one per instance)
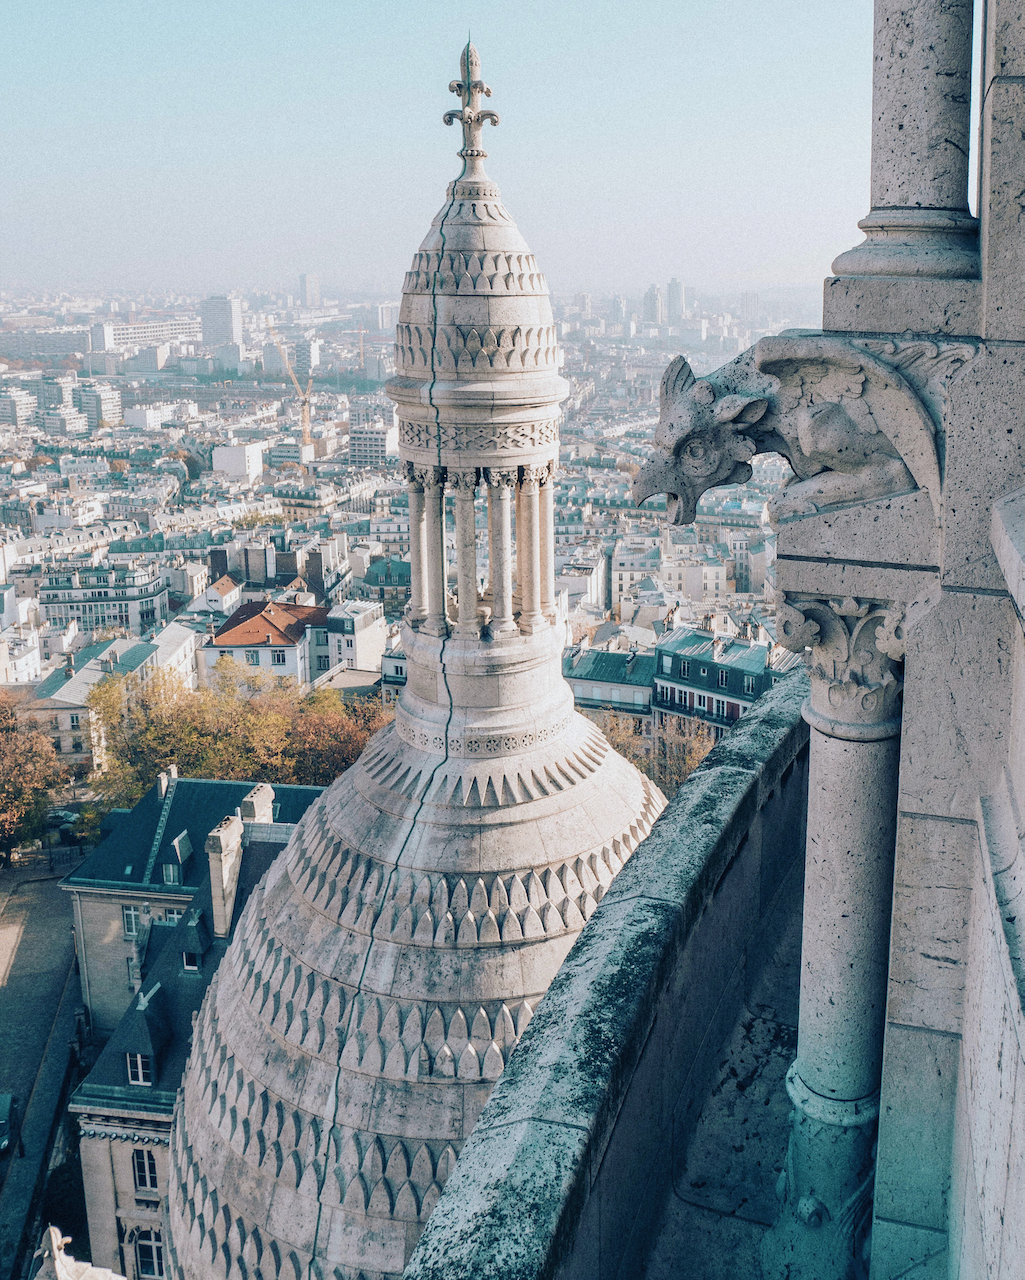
(472, 119)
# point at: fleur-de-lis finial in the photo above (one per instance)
(470, 88)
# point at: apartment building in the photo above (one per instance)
(98, 594)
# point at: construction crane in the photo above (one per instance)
(304, 396)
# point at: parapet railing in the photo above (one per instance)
(566, 1171)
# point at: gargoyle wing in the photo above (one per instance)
(889, 398)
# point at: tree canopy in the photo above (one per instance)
(245, 725)
(28, 769)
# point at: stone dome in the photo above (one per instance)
(384, 969)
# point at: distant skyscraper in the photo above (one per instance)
(654, 306)
(222, 320)
(618, 310)
(583, 301)
(309, 291)
(750, 306)
(307, 357)
(387, 315)
(674, 301)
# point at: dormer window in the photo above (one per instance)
(190, 961)
(172, 873)
(140, 1068)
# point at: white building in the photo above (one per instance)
(241, 460)
(99, 404)
(64, 422)
(371, 443)
(358, 635)
(147, 417)
(222, 320)
(286, 641)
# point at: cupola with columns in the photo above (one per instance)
(383, 971)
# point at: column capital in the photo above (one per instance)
(467, 481)
(532, 476)
(429, 477)
(499, 478)
(854, 650)
(413, 476)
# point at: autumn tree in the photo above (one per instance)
(28, 769)
(677, 750)
(245, 725)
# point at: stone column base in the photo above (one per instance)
(825, 1189)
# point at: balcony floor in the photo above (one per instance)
(724, 1199)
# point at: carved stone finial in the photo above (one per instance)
(470, 88)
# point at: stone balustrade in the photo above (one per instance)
(567, 1169)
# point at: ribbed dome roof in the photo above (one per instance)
(385, 968)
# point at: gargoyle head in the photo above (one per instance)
(700, 442)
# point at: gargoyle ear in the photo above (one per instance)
(746, 409)
(677, 377)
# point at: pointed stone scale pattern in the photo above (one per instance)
(386, 966)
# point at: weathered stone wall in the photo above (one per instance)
(569, 1163)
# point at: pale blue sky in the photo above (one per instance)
(212, 144)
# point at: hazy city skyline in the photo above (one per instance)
(322, 147)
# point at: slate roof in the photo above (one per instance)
(169, 996)
(251, 624)
(127, 858)
(610, 668)
(126, 656)
(748, 657)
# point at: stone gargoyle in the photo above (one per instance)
(852, 427)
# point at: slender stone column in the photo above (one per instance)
(521, 571)
(436, 576)
(854, 712)
(528, 541)
(919, 224)
(416, 609)
(500, 489)
(465, 484)
(547, 518)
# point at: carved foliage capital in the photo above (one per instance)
(533, 475)
(465, 481)
(499, 477)
(854, 650)
(428, 477)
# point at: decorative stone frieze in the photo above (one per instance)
(481, 438)
(448, 348)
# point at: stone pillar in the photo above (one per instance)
(919, 224)
(436, 576)
(500, 489)
(854, 713)
(528, 542)
(1002, 171)
(465, 484)
(547, 518)
(416, 609)
(520, 567)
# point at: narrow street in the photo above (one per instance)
(38, 997)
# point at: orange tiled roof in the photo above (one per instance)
(253, 623)
(224, 585)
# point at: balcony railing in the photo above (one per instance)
(568, 1167)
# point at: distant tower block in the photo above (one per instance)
(384, 970)
(674, 301)
(309, 291)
